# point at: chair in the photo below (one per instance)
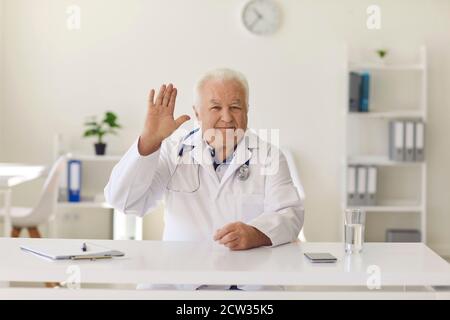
(296, 180)
(44, 211)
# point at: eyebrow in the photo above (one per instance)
(232, 102)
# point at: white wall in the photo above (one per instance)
(55, 78)
(1, 73)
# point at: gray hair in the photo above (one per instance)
(222, 74)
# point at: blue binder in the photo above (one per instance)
(74, 180)
(365, 85)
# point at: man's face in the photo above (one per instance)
(222, 112)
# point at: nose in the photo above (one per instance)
(226, 115)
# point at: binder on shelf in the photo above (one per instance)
(403, 235)
(396, 141)
(371, 185)
(419, 141)
(361, 185)
(351, 186)
(409, 141)
(74, 180)
(354, 92)
(365, 86)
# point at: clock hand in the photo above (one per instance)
(255, 21)
(257, 13)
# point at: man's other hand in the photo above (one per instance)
(241, 236)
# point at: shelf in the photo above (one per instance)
(386, 67)
(379, 161)
(394, 114)
(84, 204)
(86, 157)
(392, 206)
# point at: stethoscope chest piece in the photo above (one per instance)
(244, 172)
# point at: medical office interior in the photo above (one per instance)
(63, 62)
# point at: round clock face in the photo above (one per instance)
(261, 17)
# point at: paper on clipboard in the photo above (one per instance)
(73, 251)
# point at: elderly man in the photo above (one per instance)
(220, 182)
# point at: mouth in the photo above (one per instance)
(224, 128)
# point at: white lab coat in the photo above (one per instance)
(197, 203)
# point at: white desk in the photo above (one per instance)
(124, 294)
(411, 264)
(13, 174)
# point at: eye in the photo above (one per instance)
(215, 108)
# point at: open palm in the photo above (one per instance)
(159, 122)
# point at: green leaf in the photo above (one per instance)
(91, 132)
(98, 128)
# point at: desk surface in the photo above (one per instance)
(302, 294)
(406, 264)
(12, 174)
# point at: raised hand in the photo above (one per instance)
(159, 122)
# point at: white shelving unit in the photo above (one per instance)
(379, 161)
(84, 157)
(379, 116)
(384, 67)
(394, 114)
(124, 227)
(84, 204)
(89, 201)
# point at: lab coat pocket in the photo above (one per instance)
(251, 206)
(185, 179)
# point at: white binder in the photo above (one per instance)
(371, 186)
(362, 186)
(409, 141)
(351, 186)
(419, 145)
(397, 141)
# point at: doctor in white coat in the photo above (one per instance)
(220, 182)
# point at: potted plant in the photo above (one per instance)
(381, 54)
(99, 129)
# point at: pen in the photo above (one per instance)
(90, 257)
(84, 247)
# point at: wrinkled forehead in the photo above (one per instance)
(223, 91)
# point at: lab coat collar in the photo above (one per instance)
(194, 138)
(198, 150)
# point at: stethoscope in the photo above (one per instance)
(243, 173)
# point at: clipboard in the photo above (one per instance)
(56, 251)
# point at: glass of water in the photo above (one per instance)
(354, 226)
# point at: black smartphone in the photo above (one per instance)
(320, 257)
